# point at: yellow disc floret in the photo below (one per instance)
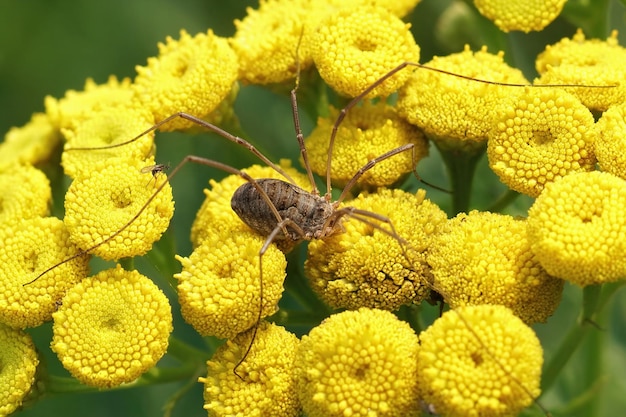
(526, 16)
(540, 135)
(352, 48)
(577, 228)
(579, 61)
(367, 132)
(102, 210)
(372, 264)
(485, 258)
(267, 384)
(454, 110)
(24, 193)
(359, 363)
(112, 328)
(18, 363)
(27, 249)
(191, 75)
(219, 286)
(611, 141)
(479, 361)
(32, 143)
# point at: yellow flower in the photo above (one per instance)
(112, 328)
(399, 8)
(268, 385)
(25, 192)
(540, 135)
(526, 16)
(485, 258)
(106, 127)
(366, 133)
(352, 48)
(98, 206)
(218, 288)
(586, 62)
(359, 363)
(496, 375)
(79, 106)
(456, 111)
(577, 228)
(216, 211)
(192, 75)
(611, 141)
(32, 143)
(27, 249)
(364, 267)
(267, 39)
(17, 374)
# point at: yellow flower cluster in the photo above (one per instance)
(479, 361)
(32, 143)
(540, 135)
(526, 16)
(611, 141)
(268, 386)
(485, 258)
(577, 228)
(111, 328)
(370, 264)
(25, 192)
(359, 363)
(366, 133)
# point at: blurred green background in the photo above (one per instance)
(50, 46)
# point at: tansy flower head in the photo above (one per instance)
(366, 133)
(77, 107)
(352, 48)
(526, 16)
(27, 249)
(18, 363)
(191, 75)
(24, 193)
(365, 267)
(577, 228)
(111, 328)
(611, 141)
(267, 40)
(107, 127)
(540, 135)
(453, 110)
(485, 258)
(358, 363)
(464, 376)
(218, 288)
(268, 385)
(216, 211)
(579, 61)
(99, 205)
(32, 143)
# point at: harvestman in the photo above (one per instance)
(264, 204)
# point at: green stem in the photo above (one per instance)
(503, 201)
(185, 352)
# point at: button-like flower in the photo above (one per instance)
(18, 363)
(192, 75)
(366, 267)
(267, 383)
(366, 133)
(27, 249)
(99, 205)
(526, 16)
(359, 363)
(540, 135)
(455, 110)
(611, 141)
(479, 361)
(485, 258)
(581, 61)
(111, 328)
(219, 286)
(32, 143)
(577, 228)
(25, 192)
(352, 48)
